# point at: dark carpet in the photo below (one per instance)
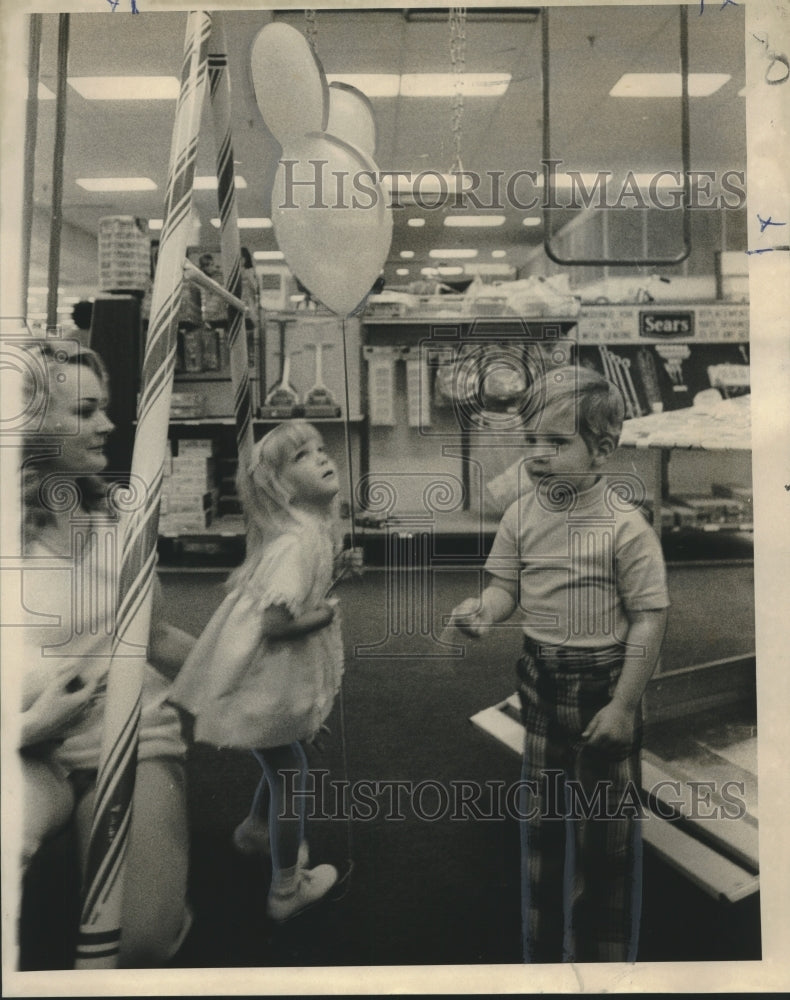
(422, 890)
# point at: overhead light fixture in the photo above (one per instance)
(371, 84)
(660, 178)
(407, 254)
(532, 220)
(209, 183)
(444, 84)
(416, 223)
(499, 253)
(269, 255)
(155, 224)
(479, 221)
(402, 271)
(667, 84)
(446, 271)
(116, 183)
(126, 88)
(452, 253)
(249, 223)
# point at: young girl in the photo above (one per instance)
(287, 690)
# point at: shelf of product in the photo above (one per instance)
(715, 425)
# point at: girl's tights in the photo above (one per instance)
(286, 810)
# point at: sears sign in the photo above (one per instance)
(666, 324)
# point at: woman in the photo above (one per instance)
(71, 549)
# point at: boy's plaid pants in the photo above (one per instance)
(581, 845)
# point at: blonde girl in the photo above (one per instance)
(284, 689)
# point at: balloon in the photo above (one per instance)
(289, 83)
(351, 117)
(335, 240)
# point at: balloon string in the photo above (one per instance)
(348, 441)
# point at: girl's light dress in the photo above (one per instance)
(249, 692)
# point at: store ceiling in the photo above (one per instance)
(591, 47)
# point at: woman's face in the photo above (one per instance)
(76, 416)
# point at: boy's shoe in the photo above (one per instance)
(307, 887)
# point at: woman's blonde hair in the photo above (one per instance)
(267, 504)
(39, 374)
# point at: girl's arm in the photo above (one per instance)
(279, 623)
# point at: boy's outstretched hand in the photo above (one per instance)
(471, 617)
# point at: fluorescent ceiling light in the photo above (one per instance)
(126, 88)
(116, 183)
(452, 253)
(443, 84)
(663, 181)
(402, 271)
(441, 272)
(269, 255)
(407, 254)
(499, 253)
(480, 221)
(416, 223)
(425, 182)
(251, 223)
(155, 223)
(667, 84)
(210, 183)
(371, 84)
(532, 220)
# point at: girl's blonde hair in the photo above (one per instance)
(267, 504)
(38, 382)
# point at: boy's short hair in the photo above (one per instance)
(586, 401)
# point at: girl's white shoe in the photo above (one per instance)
(296, 892)
(251, 836)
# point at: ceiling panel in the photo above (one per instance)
(590, 49)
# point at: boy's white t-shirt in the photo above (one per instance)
(582, 562)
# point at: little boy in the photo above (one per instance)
(586, 571)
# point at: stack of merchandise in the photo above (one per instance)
(124, 254)
(189, 492)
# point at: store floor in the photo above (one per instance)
(422, 891)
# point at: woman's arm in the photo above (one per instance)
(168, 646)
(58, 704)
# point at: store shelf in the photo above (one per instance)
(230, 526)
(230, 421)
(203, 377)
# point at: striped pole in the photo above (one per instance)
(219, 85)
(100, 925)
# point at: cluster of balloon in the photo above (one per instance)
(330, 216)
